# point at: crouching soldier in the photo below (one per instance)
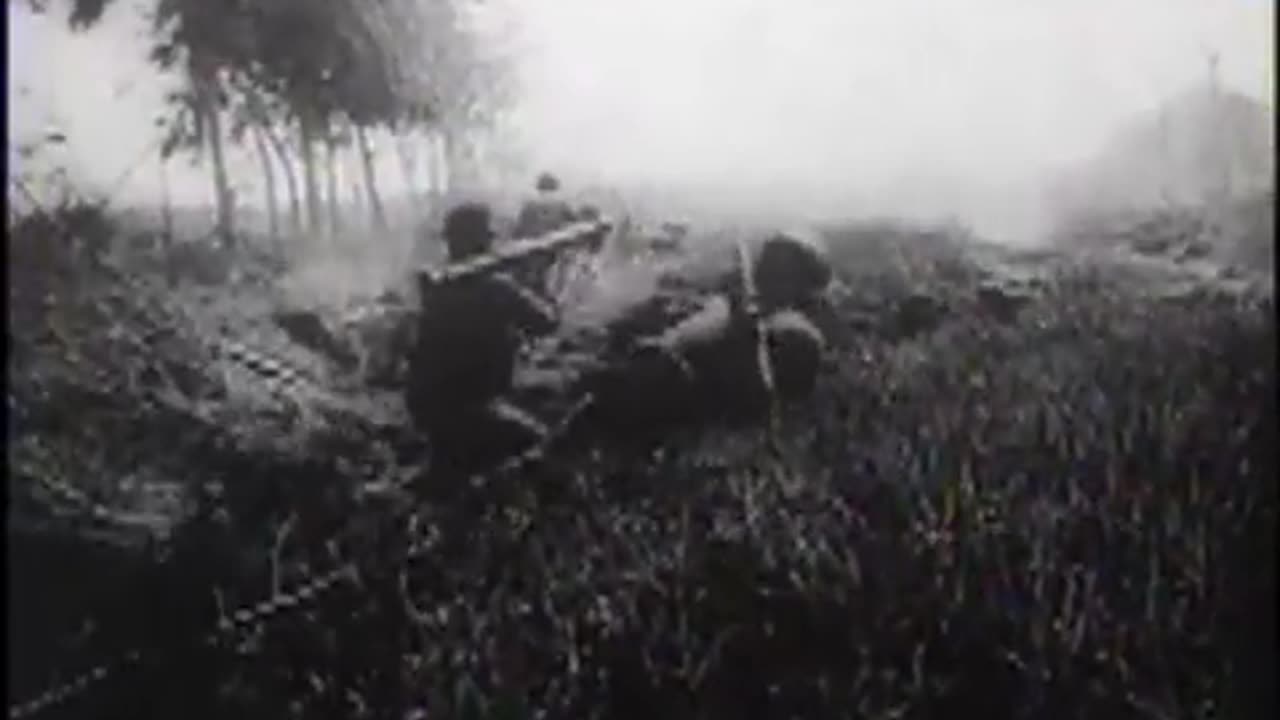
(715, 355)
(544, 213)
(468, 336)
(708, 365)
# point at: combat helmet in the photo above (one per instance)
(547, 183)
(468, 230)
(793, 268)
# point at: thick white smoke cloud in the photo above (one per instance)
(811, 105)
(891, 105)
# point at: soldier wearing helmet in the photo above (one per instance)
(547, 183)
(469, 333)
(708, 364)
(544, 213)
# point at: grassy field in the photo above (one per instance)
(1068, 514)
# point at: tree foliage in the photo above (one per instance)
(395, 65)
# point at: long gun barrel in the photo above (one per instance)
(580, 233)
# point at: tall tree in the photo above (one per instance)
(374, 198)
(166, 199)
(243, 125)
(259, 112)
(450, 80)
(335, 140)
(284, 156)
(203, 38)
(394, 64)
(204, 81)
(407, 155)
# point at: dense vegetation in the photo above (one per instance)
(1069, 512)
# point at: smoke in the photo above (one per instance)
(900, 107)
(796, 108)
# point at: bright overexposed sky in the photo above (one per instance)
(842, 97)
(801, 86)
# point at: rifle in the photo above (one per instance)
(590, 234)
(764, 364)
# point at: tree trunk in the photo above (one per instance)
(430, 161)
(456, 156)
(203, 78)
(221, 181)
(357, 201)
(408, 163)
(442, 150)
(307, 136)
(331, 184)
(371, 179)
(166, 204)
(353, 194)
(285, 158)
(357, 193)
(269, 183)
(262, 121)
(166, 223)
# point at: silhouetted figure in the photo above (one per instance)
(468, 336)
(792, 270)
(707, 366)
(544, 213)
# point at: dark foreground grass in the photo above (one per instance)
(1071, 516)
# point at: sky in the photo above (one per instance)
(839, 99)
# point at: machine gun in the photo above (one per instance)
(590, 234)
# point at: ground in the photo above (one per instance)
(1069, 512)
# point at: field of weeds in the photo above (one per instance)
(1068, 513)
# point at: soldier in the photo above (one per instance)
(717, 353)
(708, 364)
(544, 213)
(468, 336)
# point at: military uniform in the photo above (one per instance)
(706, 366)
(468, 335)
(541, 215)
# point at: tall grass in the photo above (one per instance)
(1070, 515)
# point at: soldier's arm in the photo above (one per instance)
(528, 310)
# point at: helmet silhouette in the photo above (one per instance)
(468, 230)
(548, 183)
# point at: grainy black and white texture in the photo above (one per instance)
(1065, 510)
(902, 473)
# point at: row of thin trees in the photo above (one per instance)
(300, 83)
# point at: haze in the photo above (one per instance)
(869, 106)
